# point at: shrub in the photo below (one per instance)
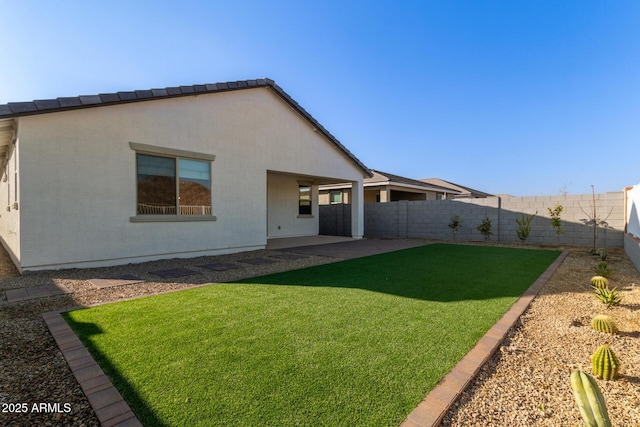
(485, 228)
(524, 226)
(607, 296)
(602, 269)
(603, 254)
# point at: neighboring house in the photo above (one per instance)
(462, 191)
(177, 172)
(384, 187)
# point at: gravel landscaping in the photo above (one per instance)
(526, 383)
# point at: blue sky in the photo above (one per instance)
(525, 97)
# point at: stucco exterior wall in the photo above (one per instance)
(633, 210)
(79, 174)
(282, 203)
(10, 203)
(632, 215)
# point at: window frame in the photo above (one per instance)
(302, 185)
(339, 195)
(176, 155)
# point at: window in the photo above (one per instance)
(335, 197)
(304, 200)
(161, 193)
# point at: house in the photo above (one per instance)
(463, 192)
(383, 187)
(183, 171)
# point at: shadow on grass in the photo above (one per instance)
(85, 330)
(438, 272)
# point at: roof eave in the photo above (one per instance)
(21, 109)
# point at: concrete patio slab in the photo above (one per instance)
(356, 248)
(22, 294)
(291, 242)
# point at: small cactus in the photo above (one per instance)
(599, 282)
(604, 363)
(604, 323)
(593, 408)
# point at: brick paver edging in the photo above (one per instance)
(105, 399)
(433, 408)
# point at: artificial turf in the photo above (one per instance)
(357, 343)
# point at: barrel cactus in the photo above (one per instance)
(599, 282)
(591, 404)
(604, 323)
(604, 363)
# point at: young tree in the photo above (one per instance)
(556, 221)
(485, 228)
(524, 226)
(594, 220)
(454, 225)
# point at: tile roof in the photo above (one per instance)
(467, 191)
(385, 177)
(44, 106)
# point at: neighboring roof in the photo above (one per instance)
(385, 178)
(465, 191)
(19, 109)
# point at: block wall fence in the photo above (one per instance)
(429, 219)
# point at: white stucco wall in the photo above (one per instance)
(10, 203)
(633, 210)
(78, 177)
(282, 216)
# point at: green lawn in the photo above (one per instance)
(354, 343)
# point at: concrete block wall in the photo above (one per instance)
(384, 219)
(335, 220)
(578, 209)
(429, 219)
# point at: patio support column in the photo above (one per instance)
(357, 209)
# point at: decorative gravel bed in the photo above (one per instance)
(526, 383)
